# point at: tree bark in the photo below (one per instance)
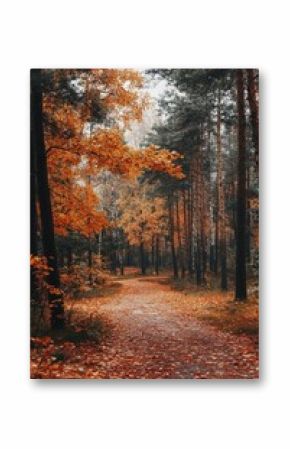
(46, 217)
(33, 218)
(181, 252)
(241, 281)
(157, 255)
(172, 242)
(189, 222)
(254, 108)
(185, 226)
(153, 253)
(142, 259)
(218, 184)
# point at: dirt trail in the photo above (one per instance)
(152, 337)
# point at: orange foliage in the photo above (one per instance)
(72, 150)
(142, 217)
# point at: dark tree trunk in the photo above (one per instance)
(142, 259)
(218, 183)
(198, 218)
(224, 274)
(112, 253)
(248, 218)
(254, 108)
(211, 258)
(157, 256)
(33, 218)
(198, 272)
(241, 281)
(181, 252)
(121, 259)
(47, 226)
(172, 243)
(185, 231)
(33, 212)
(128, 255)
(189, 223)
(153, 253)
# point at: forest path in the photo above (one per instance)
(153, 334)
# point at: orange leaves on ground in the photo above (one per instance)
(152, 332)
(219, 309)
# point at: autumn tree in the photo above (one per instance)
(38, 154)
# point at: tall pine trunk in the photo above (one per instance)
(190, 221)
(221, 219)
(172, 242)
(218, 184)
(181, 252)
(241, 280)
(46, 217)
(254, 108)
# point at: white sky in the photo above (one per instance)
(156, 88)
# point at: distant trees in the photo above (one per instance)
(143, 218)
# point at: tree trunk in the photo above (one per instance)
(46, 217)
(185, 230)
(211, 258)
(181, 252)
(189, 223)
(172, 242)
(128, 255)
(112, 252)
(221, 219)
(224, 274)
(142, 259)
(197, 218)
(33, 218)
(218, 183)
(122, 260)
(157, 255)
(241, 281)
(153, 253)
(254, 108)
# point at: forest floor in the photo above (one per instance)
(147, 327)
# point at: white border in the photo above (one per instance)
(141, 34)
